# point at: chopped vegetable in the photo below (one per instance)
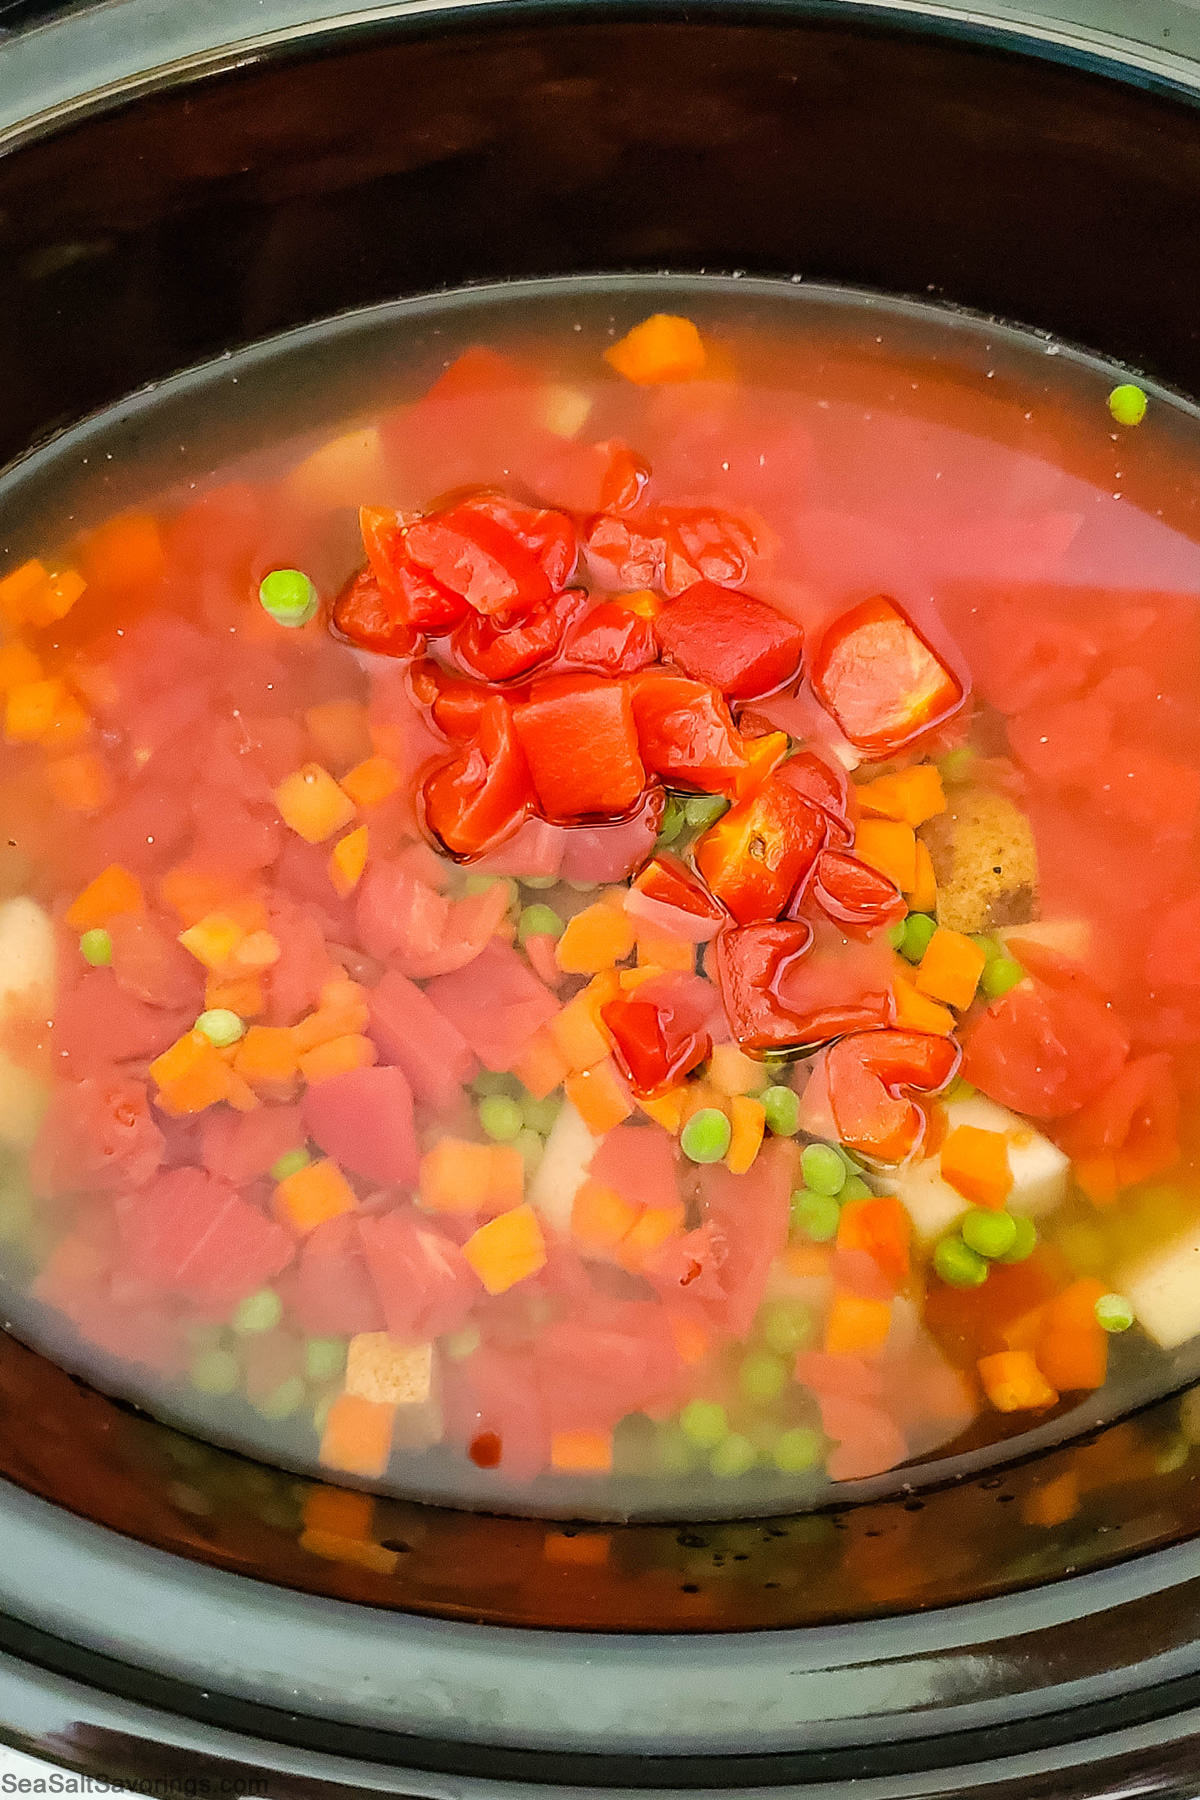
(740, 645)
(959, 1265)
(950, 968)
(823, 1170)
(220, 1026)
(781, 1109)
(1127, 403)
(1114, 1313)
(595, 939)
(662, 348)
(95, 946)
(313, 1194)
(707, 1136)
(581, 743)
(912, 796)
(754, 858)
(975, 1162)
(747, 1120)
(1013, 1382)
(507, 1249)
(288, 596)
(312, 804)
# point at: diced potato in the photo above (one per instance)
(341, 473)
(1071, 938)
(563, 409)
(1164, 1289)
(388, 1372)
(26, 954)
(23, 1100)
(1039, 1171)
(563, 1169)
(932, 1204)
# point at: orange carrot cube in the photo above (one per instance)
(662, 348)
(312, 804)
(266, 1056)
(666, 1109)
(890, 847)
(916, 1012)
(241, 994)
(655, 1225)
(191, 1076)
(313, 1194)
(339, 1511)
(337, 1057)
(357, 1439)
(347, 860)
(600, 1217)
(950, 968)
(256, 951)
(213, 940)
(595, 939)
(856, 1326)
(581, 1452)
(22, 591)
(542, 1067)
(600, 1096)
(372, 781)
(123, 553)
(80, 782)
(922, 896)
(18, 666)
(578, 1035)
(912, 796)
(338, 729)
(975, 1163)
(30, 710)
(508, 1249)
(656, 949)
(459, 1176)
(1013, 1382)
(113, 891)
(748, 1121)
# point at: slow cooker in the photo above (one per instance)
(180, 180)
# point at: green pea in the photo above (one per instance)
(1000, 975)
(823, 1170)
(501, 1118)
(221, 1027)
(797, 1450)
(95, 947)
(815, 1215)
(896, 932)
(539, 883)
(958, 1265)
(461, 1344)
(282, 1401)
(1114, 1312)
(705, 1137)
(289, 596)
(733, 1456)
(762, 1377)
(215, 1372)
(855, 1189)
(1127, 404)
(539, 1115)
(532, 1149)
(918, 930)
(782, 1107)
(703, 810)
(290, 1163)
(257, 1313)
(673, 820)
(478, 883)
(990, 1234)
(539, 921)
(786, 1325)
(324, 1358)
(991, 949)
(956, 765)
(703, 1422)
(1025, 1242)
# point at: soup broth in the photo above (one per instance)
(599, 901)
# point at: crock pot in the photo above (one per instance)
(177, 180)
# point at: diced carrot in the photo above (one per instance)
(338, 729)
(312, 804)
(347, 860)
(360, 1554)
(916, 1012)
(578, 1036)
(662, 348)
(630, 979)
(666, 1109)
(1013, 1382)
(19, 592)
(950, 968)
(31, 709)
(213, 940)
(595, 939)
(346, 1014)
(655, 949)
(113, 891)
(584, 1549)
(1052, 1502)
(890, 847)
(807, 1261)
(856, 1326)
(239, 1094)
(507, 1249)
(18, 666)
(191, 1076)
(698, 1096)
(70, 723)
(600, 1217)
(357, 1439)
(339, 1510)
(256, 951)
(645, 604)
(1072, 1345)
(690, 1337)
(975, 1163)
(317, 1192)
(542, 1066)
(80, 782)
(731, 1071)
(881, 1226)
(192, 892)
(748, 1119)
(650, 1233)
(461, 1177)
(912, 796)
(240, 994)
(922, 896)
(125, 552)
(338, 1057)
(266, 1056)
(599, 1096)
(763, 755)
(581, 1452)
(372, 781)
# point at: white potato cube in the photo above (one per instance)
(1164, 1289)
(1039, 1168)
(564, 410)
(26, 957)
(342, 473)
(563, 1169)
(931, 1203)
(381, 1368)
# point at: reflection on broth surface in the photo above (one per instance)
(608, 933)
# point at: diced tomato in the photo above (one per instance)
(470, 553)
(425, 1285)
(671, 883)
(610, 640)
(361, 614)
(304, 965)
(536, 850)
(243, 1147)
(363, 1118)
(548, 536)
(594, 1371)
(882, 1228)
(868, 1441)
(408, 593)
(97, 1137)
(821, 782)
(1128, 1133)
(737, 643)
(405, 921)
(670, 548)
(838, 986)
(855, 896)
(640, 1162)
(581, 744)
(880, 679)
(657, 1042)
(410, 1032)
(755, 857)
(751, 959)
(149, 964)
(195, 1235)
(749, 1214)
(496, 1004)
(481, 796)
(589, 478)
(686, 733)
(330, 1289)
(97, 1024)
(600, 853)
(868, 1075)
(1044, 1051)
(497, 650)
